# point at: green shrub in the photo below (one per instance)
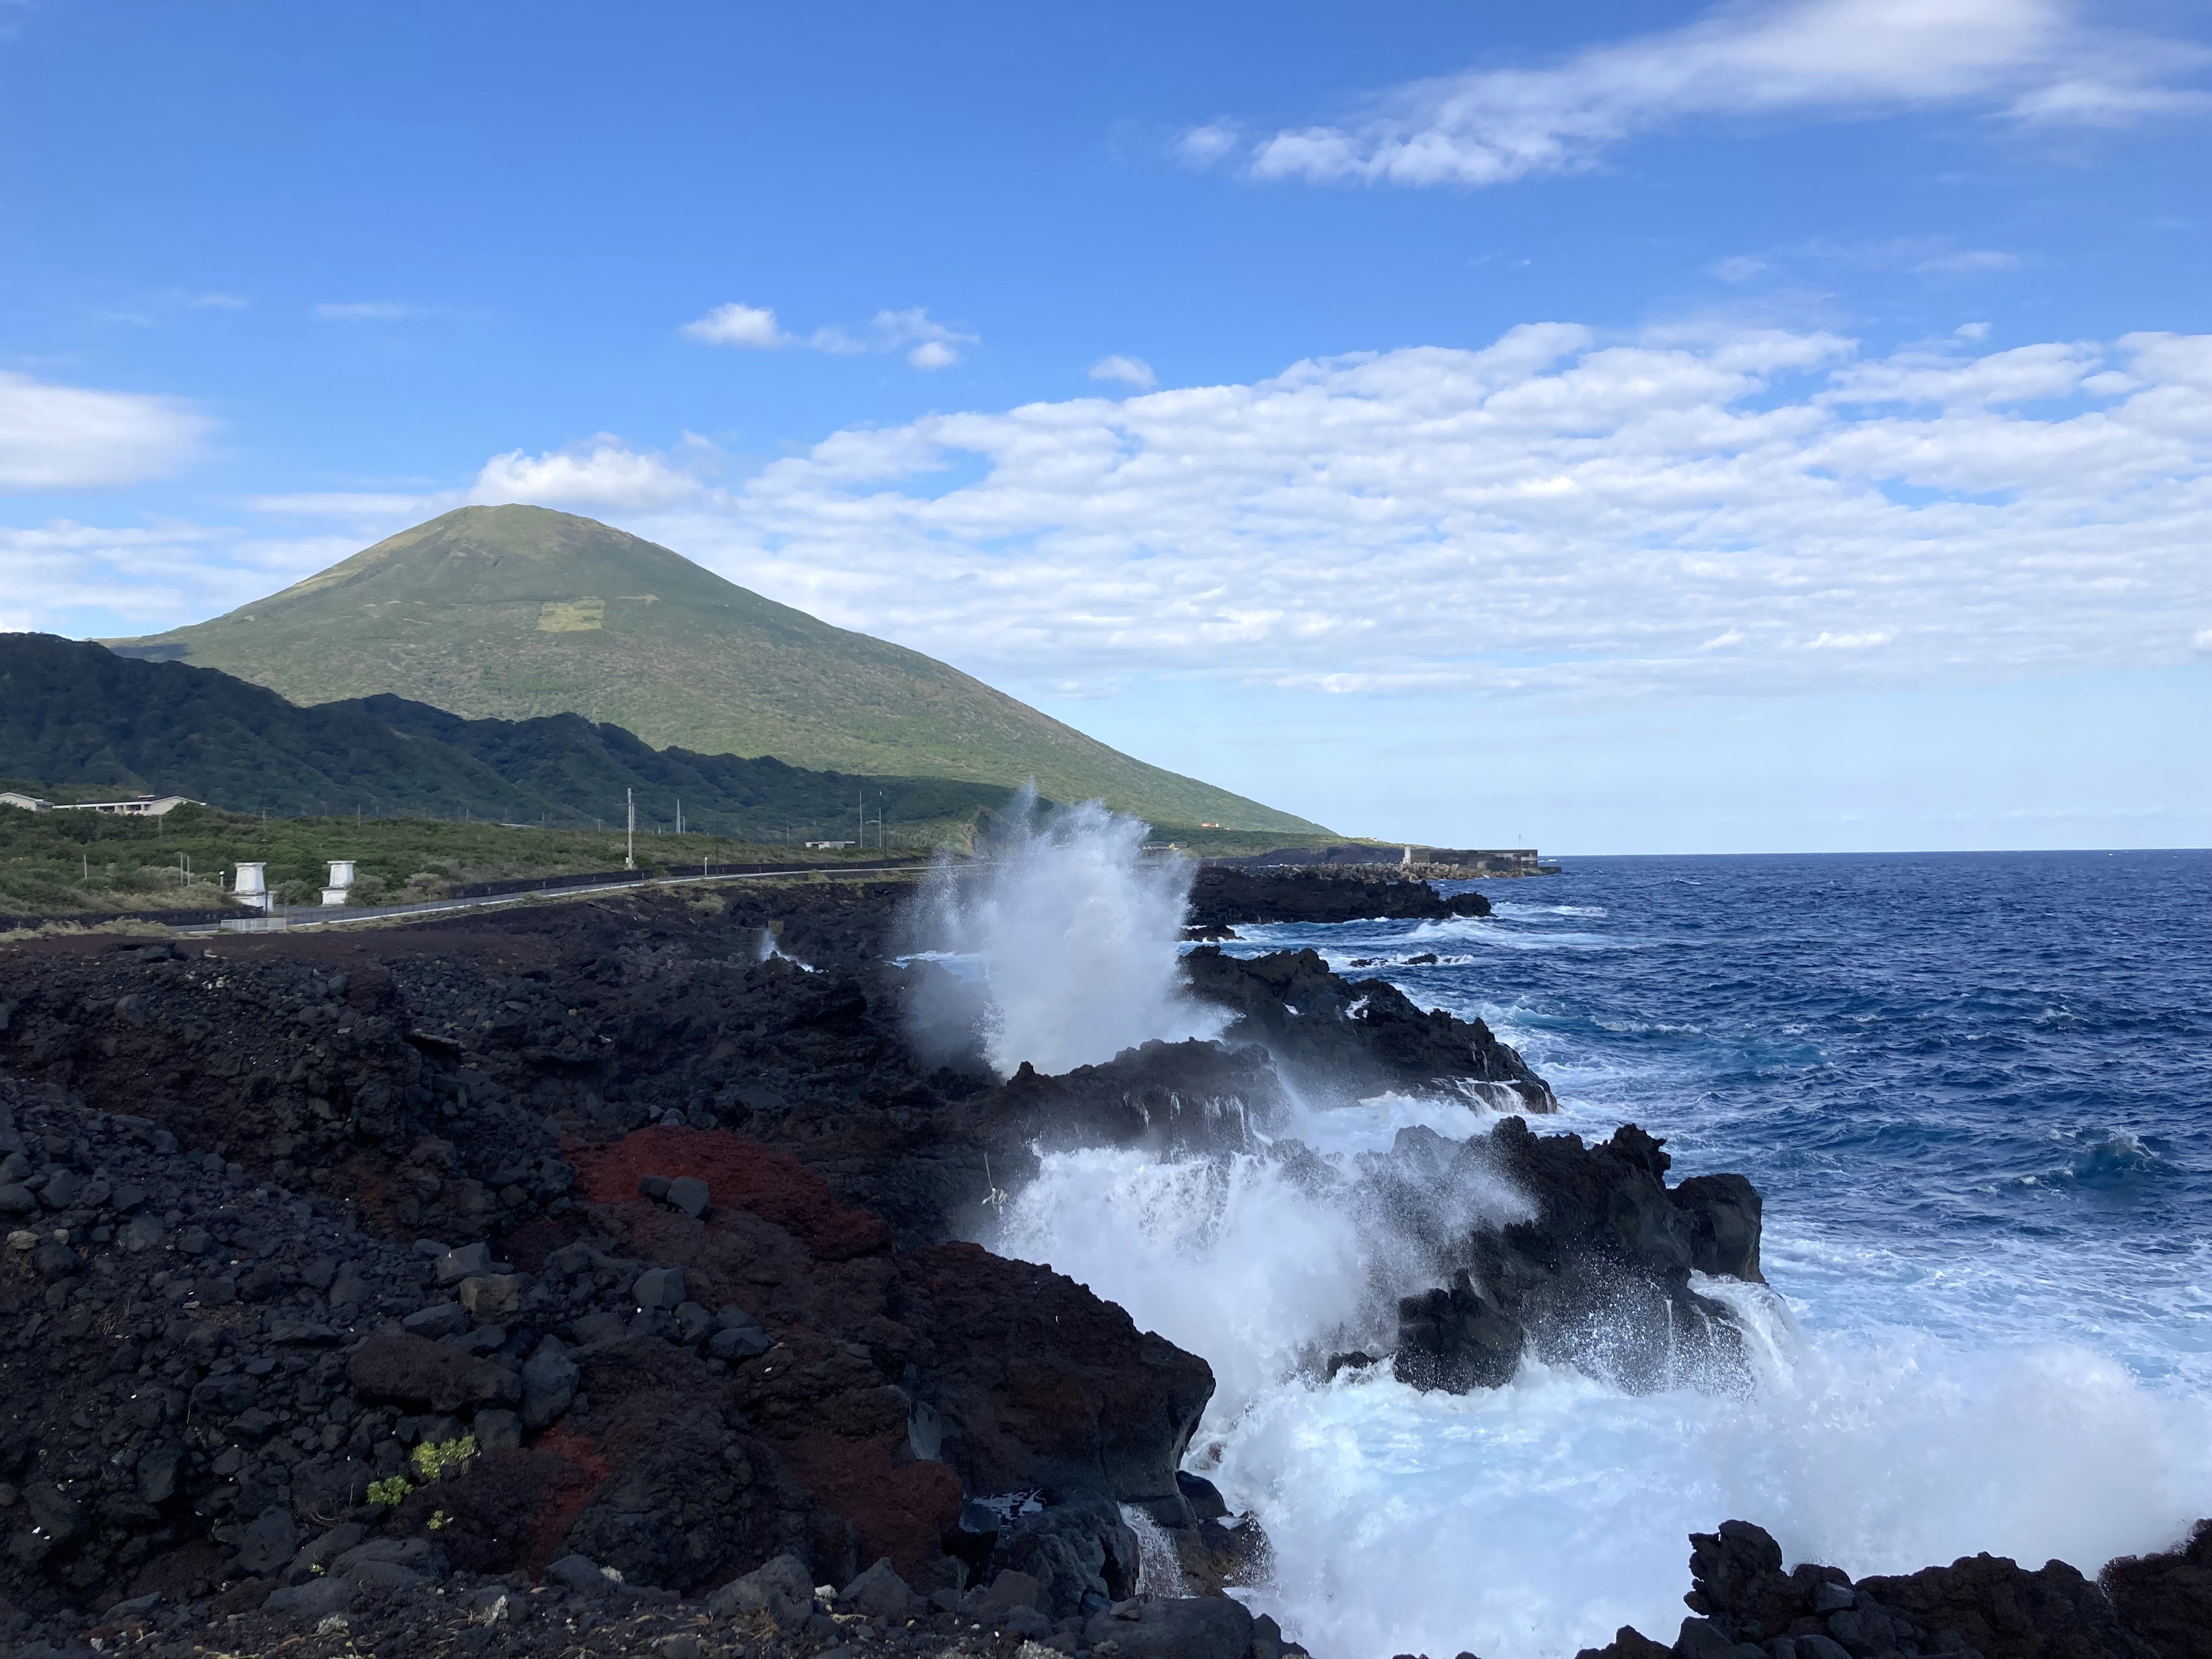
(437, 1461)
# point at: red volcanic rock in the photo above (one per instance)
(740, 1173)
(1026, 1378)
(1042, 1383)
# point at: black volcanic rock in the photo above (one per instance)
(1365, 1035)
(1221, 897)
(2166, 1599)
(1982, 1606)
(1599, 1277)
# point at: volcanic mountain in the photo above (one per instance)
(513, 612)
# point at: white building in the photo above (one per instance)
(144, 806)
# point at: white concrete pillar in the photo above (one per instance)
(251, 885)
(341, 879)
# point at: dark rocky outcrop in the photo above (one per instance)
(1597, 1277)
(1221, 897)
(1984, 1606)
(2166, 1599)
(1364, 1035)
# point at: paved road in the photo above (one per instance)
(307, 915)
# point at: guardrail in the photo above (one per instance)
(159, 918)
(670, 872)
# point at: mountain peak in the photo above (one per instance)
(513, 612)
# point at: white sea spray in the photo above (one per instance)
(1069, 933)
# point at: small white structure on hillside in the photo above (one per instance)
(145, 806)
(250, 886)
(341, 879)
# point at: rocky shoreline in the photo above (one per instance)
(592, 1277)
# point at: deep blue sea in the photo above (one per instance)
(1975, 1092)
(1983, 1081)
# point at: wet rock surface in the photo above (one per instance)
(1221, 897)
(1743, 1602)
(1597, 1275)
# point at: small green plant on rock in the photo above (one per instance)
(434, 1461)
(389, 1492)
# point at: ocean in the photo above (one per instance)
(1975, 1093)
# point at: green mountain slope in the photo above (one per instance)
(511, 612)
(77, 717)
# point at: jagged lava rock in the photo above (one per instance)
(1599, 1276)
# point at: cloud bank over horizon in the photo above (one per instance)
(1683, 513)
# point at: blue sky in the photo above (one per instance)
(1768, 428)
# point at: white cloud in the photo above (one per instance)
(67, 437)
(2202, 642)
(66, 577)
(928, 344)
(1861, 641)
(604, 472)
(1203, 146)
(1688, 512)
(752, 327)
(2023, 373)
(1130, 371)
(2033, 61)
(1692, 511)
(1969, 262)
(217, 301)
(368, 506)
(1912, 256)
(371, 311)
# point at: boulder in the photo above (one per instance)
(266, 1543)
(1598, 1277)
(658, 1287)
(439, 1319)
(878, 1593)
(492, 1296)
(417, 1372)
(688, 1195)
(316, 1598)
(549, 1383)
(1011, 1588)
(783, 1589)
(1079, 1551)
(390, 1563)
(2167, 1599)
(496, 1430)
(1180, 1627)
(580, 1572)
(465, 1262)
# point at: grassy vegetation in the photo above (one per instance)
(56, 863)
(514, 613)
(1244, 843)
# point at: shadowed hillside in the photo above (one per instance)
(79, 718)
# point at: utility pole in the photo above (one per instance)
(629, 850)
